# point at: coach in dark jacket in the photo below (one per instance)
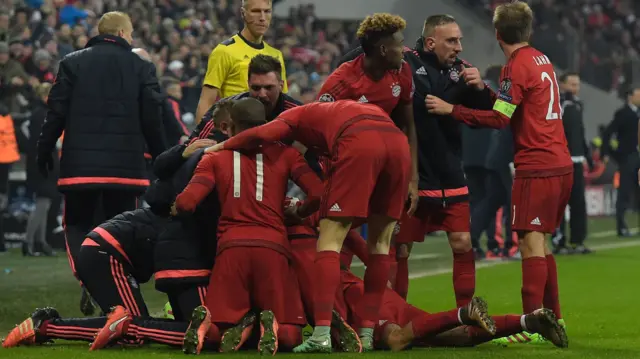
(625, 128)
(579, 149)
(105, 100)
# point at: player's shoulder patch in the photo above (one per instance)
(229, 41)
(505, 85)
(326, 97)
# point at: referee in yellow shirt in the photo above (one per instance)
(227, 70)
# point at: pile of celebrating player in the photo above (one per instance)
(382, 147)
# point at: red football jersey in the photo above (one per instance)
(529, 99)
(251, 188)
(350, 82)
(317, 125)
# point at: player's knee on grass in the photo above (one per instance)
(289, 336)
(380, 233)
(403, 250)
(333, 231)
(460, 242)
(532, 244)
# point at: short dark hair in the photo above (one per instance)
(434, 21)
(565, 76)
(248, 112)
(222, 109)
(264, 64)
(376, 27)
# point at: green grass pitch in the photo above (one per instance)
(599, 295)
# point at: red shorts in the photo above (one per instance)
(431, 217)
(245, 278)
(369, 174)
(538, 203)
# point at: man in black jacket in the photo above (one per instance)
(579, 150)
(265, 84)
(489, 179)
(443, 189)
(625, 127)
(105, 100)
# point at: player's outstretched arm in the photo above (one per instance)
(498, 117)
(276, 130)
(199, 187)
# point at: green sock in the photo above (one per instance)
(321, 332)
(366, 332)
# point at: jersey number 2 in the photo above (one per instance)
(553, 92)
(237, 170)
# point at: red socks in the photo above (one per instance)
(534, 280)
(551, 298)
(375, 283)
(327, 269)
(427, 325)
(402, 278)
(464, 277)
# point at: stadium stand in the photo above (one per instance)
(600, 38)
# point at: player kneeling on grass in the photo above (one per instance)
(402, 325)
(369, 173)
(253, 251)
(131, 236)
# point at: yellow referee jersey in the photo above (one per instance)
(228, 67)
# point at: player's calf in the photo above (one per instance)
(28, 332)
(429, 325)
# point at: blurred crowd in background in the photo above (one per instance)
(179, 34)
(598, 38)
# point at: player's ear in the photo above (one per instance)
(498, 36)
(429, 43)
(383, 50)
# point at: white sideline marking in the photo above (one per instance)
(356, 263)
(434, 272)
(600, 247)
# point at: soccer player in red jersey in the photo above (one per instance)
(252, 263)
(402, 325)
(381, 77)
(529, 100)
(368, 176)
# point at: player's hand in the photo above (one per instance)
(215, 148)
(413, 198)
(472, 78)
(437, 106)
(291, 215)
(196, 145)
